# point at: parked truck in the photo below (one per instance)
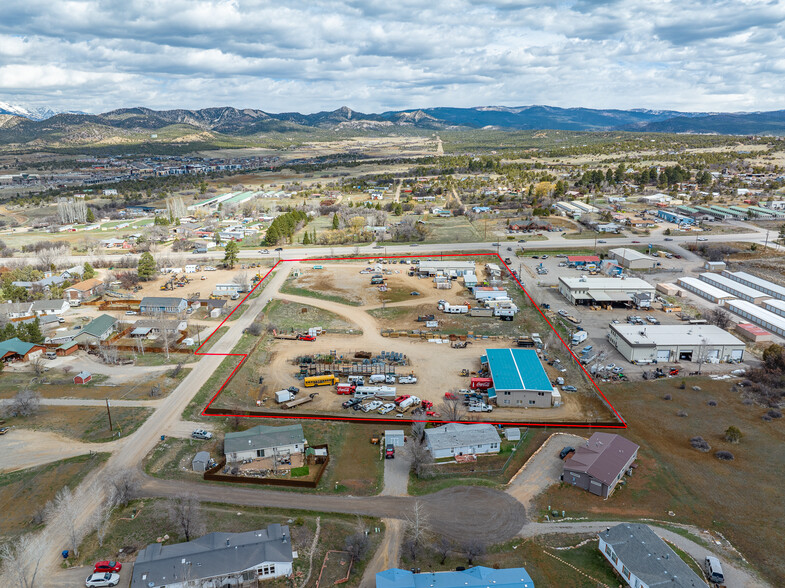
(480, 407)
(579, 337)
(283, 396)
(344, 388)
(480, 383)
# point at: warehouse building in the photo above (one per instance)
(632, 259)
(765, 286)
(519, 380)
(664, 343)
(738, 289)
(605, 291)
(775, 306)
(758, 316)
(446, 268)
(675, 217)
(705, 290)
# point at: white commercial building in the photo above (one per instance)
(758, 316)
(775, 306)
(765, 286)
(632, 259)
(585, 290)
(736, 288)
(705, 290)
(446, 268)
(664, 343)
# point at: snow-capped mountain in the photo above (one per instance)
(37, 113)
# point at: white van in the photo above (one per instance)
(713, 570)
(356, 380)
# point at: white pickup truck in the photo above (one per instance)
(407, 380)
(372, 405)
(480, 407)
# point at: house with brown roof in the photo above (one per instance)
(599, 464)
(83, 290)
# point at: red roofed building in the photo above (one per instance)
(753, 333)
(583, 259)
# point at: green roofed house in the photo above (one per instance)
(264, 441)
(97, 330)
(519, 380)
(17, 350)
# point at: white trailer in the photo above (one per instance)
(411, 401)
(377, 391)
(505, 311)
(452, 309)
(496, 302)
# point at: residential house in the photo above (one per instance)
(599, 464)
(46, 307)
(73, 274)
(17, 350)
(264, 441)
(97, 330)
(44, 284)
(457, 439)
(154, 327)
(478, 576)
(114, 243)
(162, 304)
(83, 290)
(217, 559)
(644, 560)
(13, 310)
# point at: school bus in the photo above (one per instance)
(325, 380)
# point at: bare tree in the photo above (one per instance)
(25, 403)
(164, 335)
(241, 279)
(109, 353)
(104, 513)
(452, 409)
(719, 317)
(185, 513)
(71, 210)
(125, 485)
(49, 257)
(38, 365)
(357, 545)
(21, 560)
(176, 207)
(64, 505)
(418, 431)
(442, 546)
(420, 457)
(417, 528)
(472, 549)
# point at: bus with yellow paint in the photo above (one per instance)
(324, 380)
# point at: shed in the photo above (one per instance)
(83, 377)
(67, 348)
(512, 434)
(200, 461)
(394, 437)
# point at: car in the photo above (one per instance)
(413, 245)
(407, 380)
(378, 247)
(668, 238)
(610, 366)
(414, 293)
(102, 579)
(127, 254)
(372, 405)
(107, 566)
(545, 305)
(521, 240)
(545, 257)
(386, 407)
(496, 244)
(202, 434)
(401, 398)
(306, 337)
(535, 257)
(130, 312)
(4, 430)
(565, 452)
(702, 239)
(509, 248)
(351, 402)
(264, 251)
(357, 406)
(279, 249)
(601, 241)
(389, 451)
(636, 241)
(569, 389)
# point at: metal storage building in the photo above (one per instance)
(519, 380)
(585, 290)
(447, 268)
(664, 343)
(737, 289)
(705, 290)
(758, 316)
(765, 286)
(632, 259)
(775, 306)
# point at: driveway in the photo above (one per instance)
(396, 473)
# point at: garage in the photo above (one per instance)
(394, 437)
(664, 343)
(663, 355)
(685, 355)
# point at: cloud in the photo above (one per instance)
(373, 55)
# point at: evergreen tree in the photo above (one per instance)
(335, 221)
(32, 332)
(146, 267)
(8, 332)
(306, 238)
(231, 252)
(90, 215)
(89, 272)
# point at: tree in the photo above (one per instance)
(103, 514)
(306, 238)
(231, 252)
(719, 317)
(185, 513)
(357, 545)
(89, 271)
(241, 279)
(146, 267)
(452, 408)
(417, 528)
(124, 485)
(782, 232)
(733, 434)
(336, 221)
(442, 546)
(472, 549)
(420, 456)
(90, 218)
(21, 559)
(25, 403)
(65, 507)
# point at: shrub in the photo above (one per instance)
(724, 455)
(712, 403)
(774, 413)
(682, 413)
(700, 444)
(766, 418)
(733, 434)
(667, 397)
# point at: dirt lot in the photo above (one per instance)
(698, 488)
(198, 285)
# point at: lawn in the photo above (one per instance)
(289, 316)
(457, 229)
(142, 522)
(84, 423)
(732, 498)
(24, 493)
(289, 287)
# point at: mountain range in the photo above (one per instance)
(34, 127)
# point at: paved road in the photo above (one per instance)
(735, 577)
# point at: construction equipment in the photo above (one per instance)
(169, 285)
(465, 372)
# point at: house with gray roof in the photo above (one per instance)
(457, 439)
(599, 464)
(217, 559)
(58, 307)
(162, 304)
(264, 441)
(644, 560)
(44, 283)
(14, 310)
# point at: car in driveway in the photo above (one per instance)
(113, 567)
(202, 434)
(102, 579)
(566, 451)
(569, 389)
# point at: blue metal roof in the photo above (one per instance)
(517, 369)
(476, 576)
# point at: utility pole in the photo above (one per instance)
(109, 414)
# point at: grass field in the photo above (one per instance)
(83, 423)
(733, 497)
(288, 316)
(289, 288)
(24, 493)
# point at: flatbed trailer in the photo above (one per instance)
(300, 401)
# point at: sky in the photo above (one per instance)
(378, 55)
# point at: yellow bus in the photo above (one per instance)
(325, 380)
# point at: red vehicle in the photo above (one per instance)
(450, 396)
(481, 383)
(389, 452)
(426, 404)
(432, 413)
(345, 389)
(401, 398)
(108, 566)
(306, 337)
(673, 372)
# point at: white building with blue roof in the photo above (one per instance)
(519, 379)
(478, 576)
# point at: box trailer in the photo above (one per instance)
(345, 388)
(481, 383)
(481, 312)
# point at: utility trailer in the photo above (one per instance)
(300, 401)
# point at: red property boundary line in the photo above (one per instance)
(622, 423)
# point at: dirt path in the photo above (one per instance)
(23, 448)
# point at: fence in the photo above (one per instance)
(213, 474)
